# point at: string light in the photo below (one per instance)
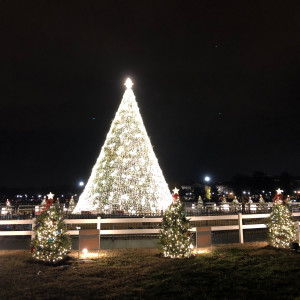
(126, 167)
(174, 237)
(51, 242)
(281, 226)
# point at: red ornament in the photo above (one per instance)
(277, 197)
(32, 249)
(48, 204)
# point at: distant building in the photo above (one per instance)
(225, 190)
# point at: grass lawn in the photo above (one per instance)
(250, 271)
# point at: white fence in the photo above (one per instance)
(239, 217)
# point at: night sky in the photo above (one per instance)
(217, 83)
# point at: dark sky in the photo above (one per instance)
(217, 83)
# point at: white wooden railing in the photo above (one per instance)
(239, 217)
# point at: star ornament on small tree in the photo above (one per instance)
(175, 193)
(278, 196)
(50, 195)
(279, 191)
(175, 190)
(174, 237)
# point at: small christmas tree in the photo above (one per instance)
(57, 202)
(248, 204)
(288, 200)
(261, 199)
(235, 200)
(200, 203)
(235, 203)
(224, 200)
(8, 206)
(71, 204)
(174, 237)
(51, 243)
(281, 227)
(44, 201)
(261, 203)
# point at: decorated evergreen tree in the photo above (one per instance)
(174, 237)
(261, 199)
(248, 204)
(200, 203)
(224, 200)
(44, 201)
(7, 203)
(281, 227)
(235, 201)
(261, 203)
(51, 243)
(71, 204)
(236, 205)
(288, 200)
(8, 206)
(126, 175)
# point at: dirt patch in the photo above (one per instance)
(250, 245)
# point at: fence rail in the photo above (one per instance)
(192, 209)
(145, 231)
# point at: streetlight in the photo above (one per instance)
(207, 179)
(81, 183)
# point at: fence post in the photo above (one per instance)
(32, 228)
(297, 225)
(241, 235)
(99, 227)
(99, 223)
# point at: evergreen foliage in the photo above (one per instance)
(126, 175)
(281, 226)
(174, 237)
(236, 205)
(71, 204)
(51, 243)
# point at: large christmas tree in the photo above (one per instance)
(281, 226)
(51, 243)
(126, 175)
(174, 237)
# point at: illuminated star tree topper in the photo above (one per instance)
(126, 175)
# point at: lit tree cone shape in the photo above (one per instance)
(174, 237)
(51, 243)
(281, 226)
(126, 175)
